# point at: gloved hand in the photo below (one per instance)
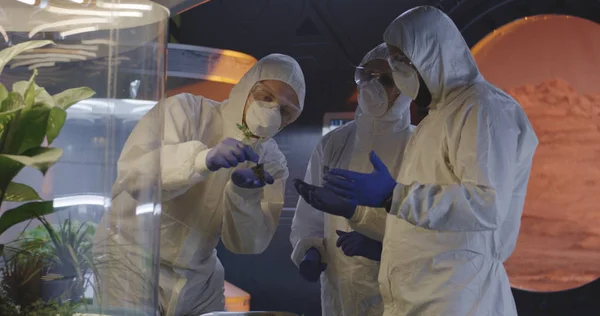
(228, 154)
(311, 266)
(357, 244)
(368, 189)
(245, 178)
(325, 200)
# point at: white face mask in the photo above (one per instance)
(401, 105)
(406, 79)
(263, 119)
(372, 98)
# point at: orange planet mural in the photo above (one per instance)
(551, 65)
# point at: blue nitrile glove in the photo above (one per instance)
(368, 189)
(357, 244)
(325, 200)
(228, 154)
(245, 178)
(311, 266)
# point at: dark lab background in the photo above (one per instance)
(328, 38)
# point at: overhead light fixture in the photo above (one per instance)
(58, 10)
(40, 65)
(124, 6)
(75, 200)
(78, 31)
(36, 61)
(99, 42)
(50, 55)
(29, 2)
(63, 51)
(58, 24)
(78, 47)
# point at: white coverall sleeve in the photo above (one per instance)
(308, 225)
(483, 159)
(182, 159)
(251, 216)
(369, 222)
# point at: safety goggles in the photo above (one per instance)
(363, 75)
(261, 92)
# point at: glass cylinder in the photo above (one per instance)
(79, 233)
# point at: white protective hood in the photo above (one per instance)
(272, 67)
(395, 119)
(433, 43)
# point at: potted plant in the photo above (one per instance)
(66, 250)
(30, 120)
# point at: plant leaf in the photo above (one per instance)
(8, 54)
(41, 95)
(24, 213)
(28, 130)
(8, 170)
(56, 120)
(30, 93)
(6, 119)
(13, 101)
(69, 97)
(41, 158)
(18, 192)
(3, 93)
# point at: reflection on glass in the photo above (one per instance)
(65, 113)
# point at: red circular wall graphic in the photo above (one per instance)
(551, 65)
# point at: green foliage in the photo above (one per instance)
(245, 130)
(29, 115)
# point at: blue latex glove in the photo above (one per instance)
(368, 189)
(325, 199)
(357, 244)
(228, 154)
(245, 178)
(311, 266)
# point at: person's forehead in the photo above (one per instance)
(281, 89)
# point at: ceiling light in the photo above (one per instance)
(58, 10)
(58, 24)
(29, 2)
(124, 6)
(78, 31)
(51, 55)
(39, 60)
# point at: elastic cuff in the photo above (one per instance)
(200, 163)
(243, 193)
(302, 246)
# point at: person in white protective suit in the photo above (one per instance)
(457, 202)
(349, 285)
(209, 191)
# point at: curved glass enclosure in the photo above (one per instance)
(78, 235)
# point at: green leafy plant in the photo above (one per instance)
(258, 170)
(66, 249)
(28, 116)
(246, 131)
(21, 279)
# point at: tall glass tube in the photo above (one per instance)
(79, 232)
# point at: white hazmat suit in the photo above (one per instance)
(456, 210)
(199, 207)
(349, 285)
